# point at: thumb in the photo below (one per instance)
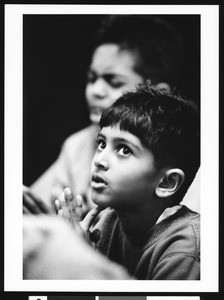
(88, 220)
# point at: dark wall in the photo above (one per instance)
(57, 50)
(56, 53)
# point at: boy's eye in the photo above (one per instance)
(114, 81)
(100, 144)
(124, 151)
(116, 84)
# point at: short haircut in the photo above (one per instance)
(166, 124)
(157, 44)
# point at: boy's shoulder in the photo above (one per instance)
(184, 220)
(188, 219)
(179, 233)
(169, 250)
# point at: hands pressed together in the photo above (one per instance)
(71, 209)
(51, 250)
(67, 206)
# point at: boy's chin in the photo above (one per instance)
(99, 200)
(95, 118)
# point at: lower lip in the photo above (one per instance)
(98, 185)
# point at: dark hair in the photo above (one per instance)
(166, 124)
(157, 44)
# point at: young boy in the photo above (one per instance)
(148, 152)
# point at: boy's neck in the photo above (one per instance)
(135, 223)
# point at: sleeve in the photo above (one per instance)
(49, 185)
(178, 266)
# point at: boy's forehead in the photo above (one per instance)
(115, 132)
(110, 57)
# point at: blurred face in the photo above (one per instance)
(111, 72)
(123, 172)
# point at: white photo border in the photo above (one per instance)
(209, 151)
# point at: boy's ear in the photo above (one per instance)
(170, 183)
(163, 86)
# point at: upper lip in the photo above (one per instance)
(98, 178)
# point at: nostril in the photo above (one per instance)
(102, 165)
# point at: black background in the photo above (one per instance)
(56, 53)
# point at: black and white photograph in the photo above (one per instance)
(112, 148)
(129, 50)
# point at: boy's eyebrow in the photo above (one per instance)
(100, 135)
(123, 140)
(107, 75)
(120, 140)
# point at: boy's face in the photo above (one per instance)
(123, 175)
(111, 72)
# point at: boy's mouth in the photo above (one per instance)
(98, 182)
(96, 110)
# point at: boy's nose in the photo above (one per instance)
(101, 162)
(99, 88)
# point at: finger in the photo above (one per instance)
(87, 205)
(74, 205)
(76, 226)
(87, 222)
(79, 207)
(63, 206)
(57, 205)
(68, 194)
(79, 200)
(30, 204)
(55, 192)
